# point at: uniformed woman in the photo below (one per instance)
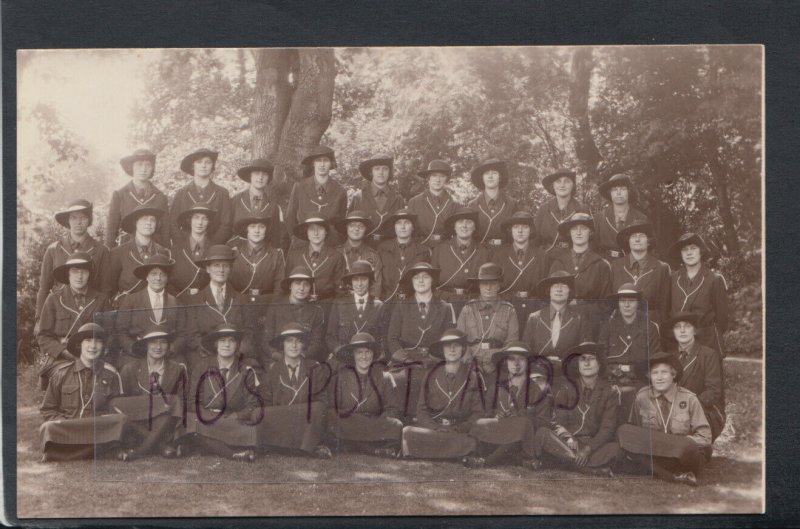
(562, 185)
(450, 402)
(376, 197)
(258, 268)
(398, 251)
(433, 205)
(140, 191)
(493, 204)
(79, 421)
(188, 248)
(668, 428)
(258, 202)
(318, 254)
(696, 288)
(361, 414)
(620, 212)
(355, 227)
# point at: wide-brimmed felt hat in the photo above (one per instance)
(627, 291)
(185, 216)
(154, 261)
(359, 268)
(462, 212)
(365, 167)
(576, 219)
(139, 347)
(488, 272)
(75, 260)
(616, 181)
(624, 235)
(559, 276)
(289, 329)
(187, 164)
(240, 228)
(298, 273)
(573, 355)
(354, 216)
(139, 154)
(547, 181)
(221, 330)
(259, 164)
(318, 151)
(404, 213)
(436, 166)
(218, 252)
(513, 348)
(669, 359)
(419, 266)
(301, 229)
(361, 339)
(519, 217)
(685, 240)
(490, 163)
(82, 205)
(128, 223)
(685, 316)
(87, 330)
(451, 335)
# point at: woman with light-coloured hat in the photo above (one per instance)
(621, 211)
(449, 403)
(493, 204)
(696, 288)
(519, 400)
(189, 247)
(77, 217)
(361, 415)
(400, 249)
(152, 387)
(318, 254)
(258, 201)
(561, 207)
(317, 193)
(142, 224)
(355, 227)
(433, 205)
(295, 396)
(200, 165)
(140, 191)
(376, 196)
(488, 321)
(77, 408)
(640, 267)
(259, 267)
(66, 310)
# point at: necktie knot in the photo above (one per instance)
(492, 203)
(423, 308)
(314, 254)
(520, 254)
(154, 377)
(224, 373)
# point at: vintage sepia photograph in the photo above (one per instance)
(499, 280)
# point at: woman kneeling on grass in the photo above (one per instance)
(449, 404)
(668, 426)
(361, 416)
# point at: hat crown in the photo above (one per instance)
(582, 216)
(319, 150)
(361, 337)
(159, 259)
(361, 267)
(91, 327)
(560, 274)
(80, 203)
(628, 288)
(142, 153)
(78, 258)
(300, 271)
(357, 214)
(490, 271)
(452, 335)
(439, 166)
(561, 171)
(220, 252)
(292, 329)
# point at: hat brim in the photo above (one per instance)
(675, 249)
(547, 181)
(245, 172)
(566, 226)
(605, 189)
(543, 288)
(128, 223)
(74, 342)
(301, 230)
(277, 341)
(61, 273)
(476, 175)
(344, 354)
(287, 281)
(407, 278)
(62, 217)
(387, 227)
(241, 226)
(365, 167)
(209, 340)
(427, 172)
(142, 271)
(671, 361)
(185, 217)
(350, 275)
(450, 223)
(187, 164)
(127, 162)
(694, 319)
(341, 225)
(616, 296)
(436, 349)
(308, 161)
(139, 347)
(503, 354)
(624, 237)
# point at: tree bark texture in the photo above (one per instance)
(272, 100)
(580, 84)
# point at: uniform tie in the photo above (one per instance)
(423, 309)
(520, 255)
(492, 203)
(80, 299)
(220, 298)
(663, 404)
(154, 378)
(635, 269)
(256, 200)
(555, 330)
(158, 305)
(224, 373)
(293, 375)
(361, 305)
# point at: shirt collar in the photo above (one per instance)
(79, 365)
(670, 394)
(376, 190)
(553, 312)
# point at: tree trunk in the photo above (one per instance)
(580, 84)
(724, 205)
(271, 101)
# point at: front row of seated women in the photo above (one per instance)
(522, 414)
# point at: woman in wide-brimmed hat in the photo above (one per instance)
(362, 416)
(433, 205)
(562, 184)
(376, 197)
(79, 422)
(195, 222)
(355, 227)
(295, 395)
(493, 204)
(76, 217)
(621, 211)
(258, 268)
(200, 165)
(399, 250)
(318, 193)
(140, 191)
(640, 267)
(257, 201)
(669, 435)
(696, 288)
(318, 254)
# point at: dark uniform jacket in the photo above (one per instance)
(62, 316)
(531, 401)
(310, 315)
(364, 200)
(136, 379)
(56, 255)
(431, 212)
(629, 347)
(261, 270)
(243, 207)
(135, 316)
(369, 254)
(123, 201)
(702, 375)
(353, 393)
(203, 315)
(408, 328)
(77, 391)
(395, 260)
(221, 229)
(491, 217)
(186, 275)
(520, 276)
(574, 331)
(305, 199)
(345, 320)
(126, 257)
(652, 279)
(588, 414)
(311, 384)
(706, 295)
(457, 266)
(453, 401)
(592, 276)
(489, 324)
(549, 216)
(238, 396)
(327, 268)
(606, 229)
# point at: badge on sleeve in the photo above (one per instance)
(682, 405)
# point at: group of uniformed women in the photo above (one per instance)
(428, 329)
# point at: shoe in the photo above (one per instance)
(169, 452)
(125, 455)
(473, 462)
(248, 456)
(385, 452)
(687, 478)
(531, 464)
(322, 452)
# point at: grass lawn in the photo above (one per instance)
(365, 485)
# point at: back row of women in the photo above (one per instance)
(402, 273)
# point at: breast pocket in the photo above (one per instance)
(681, 422)
(70, 397)
(64, 321)
(649, 420)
